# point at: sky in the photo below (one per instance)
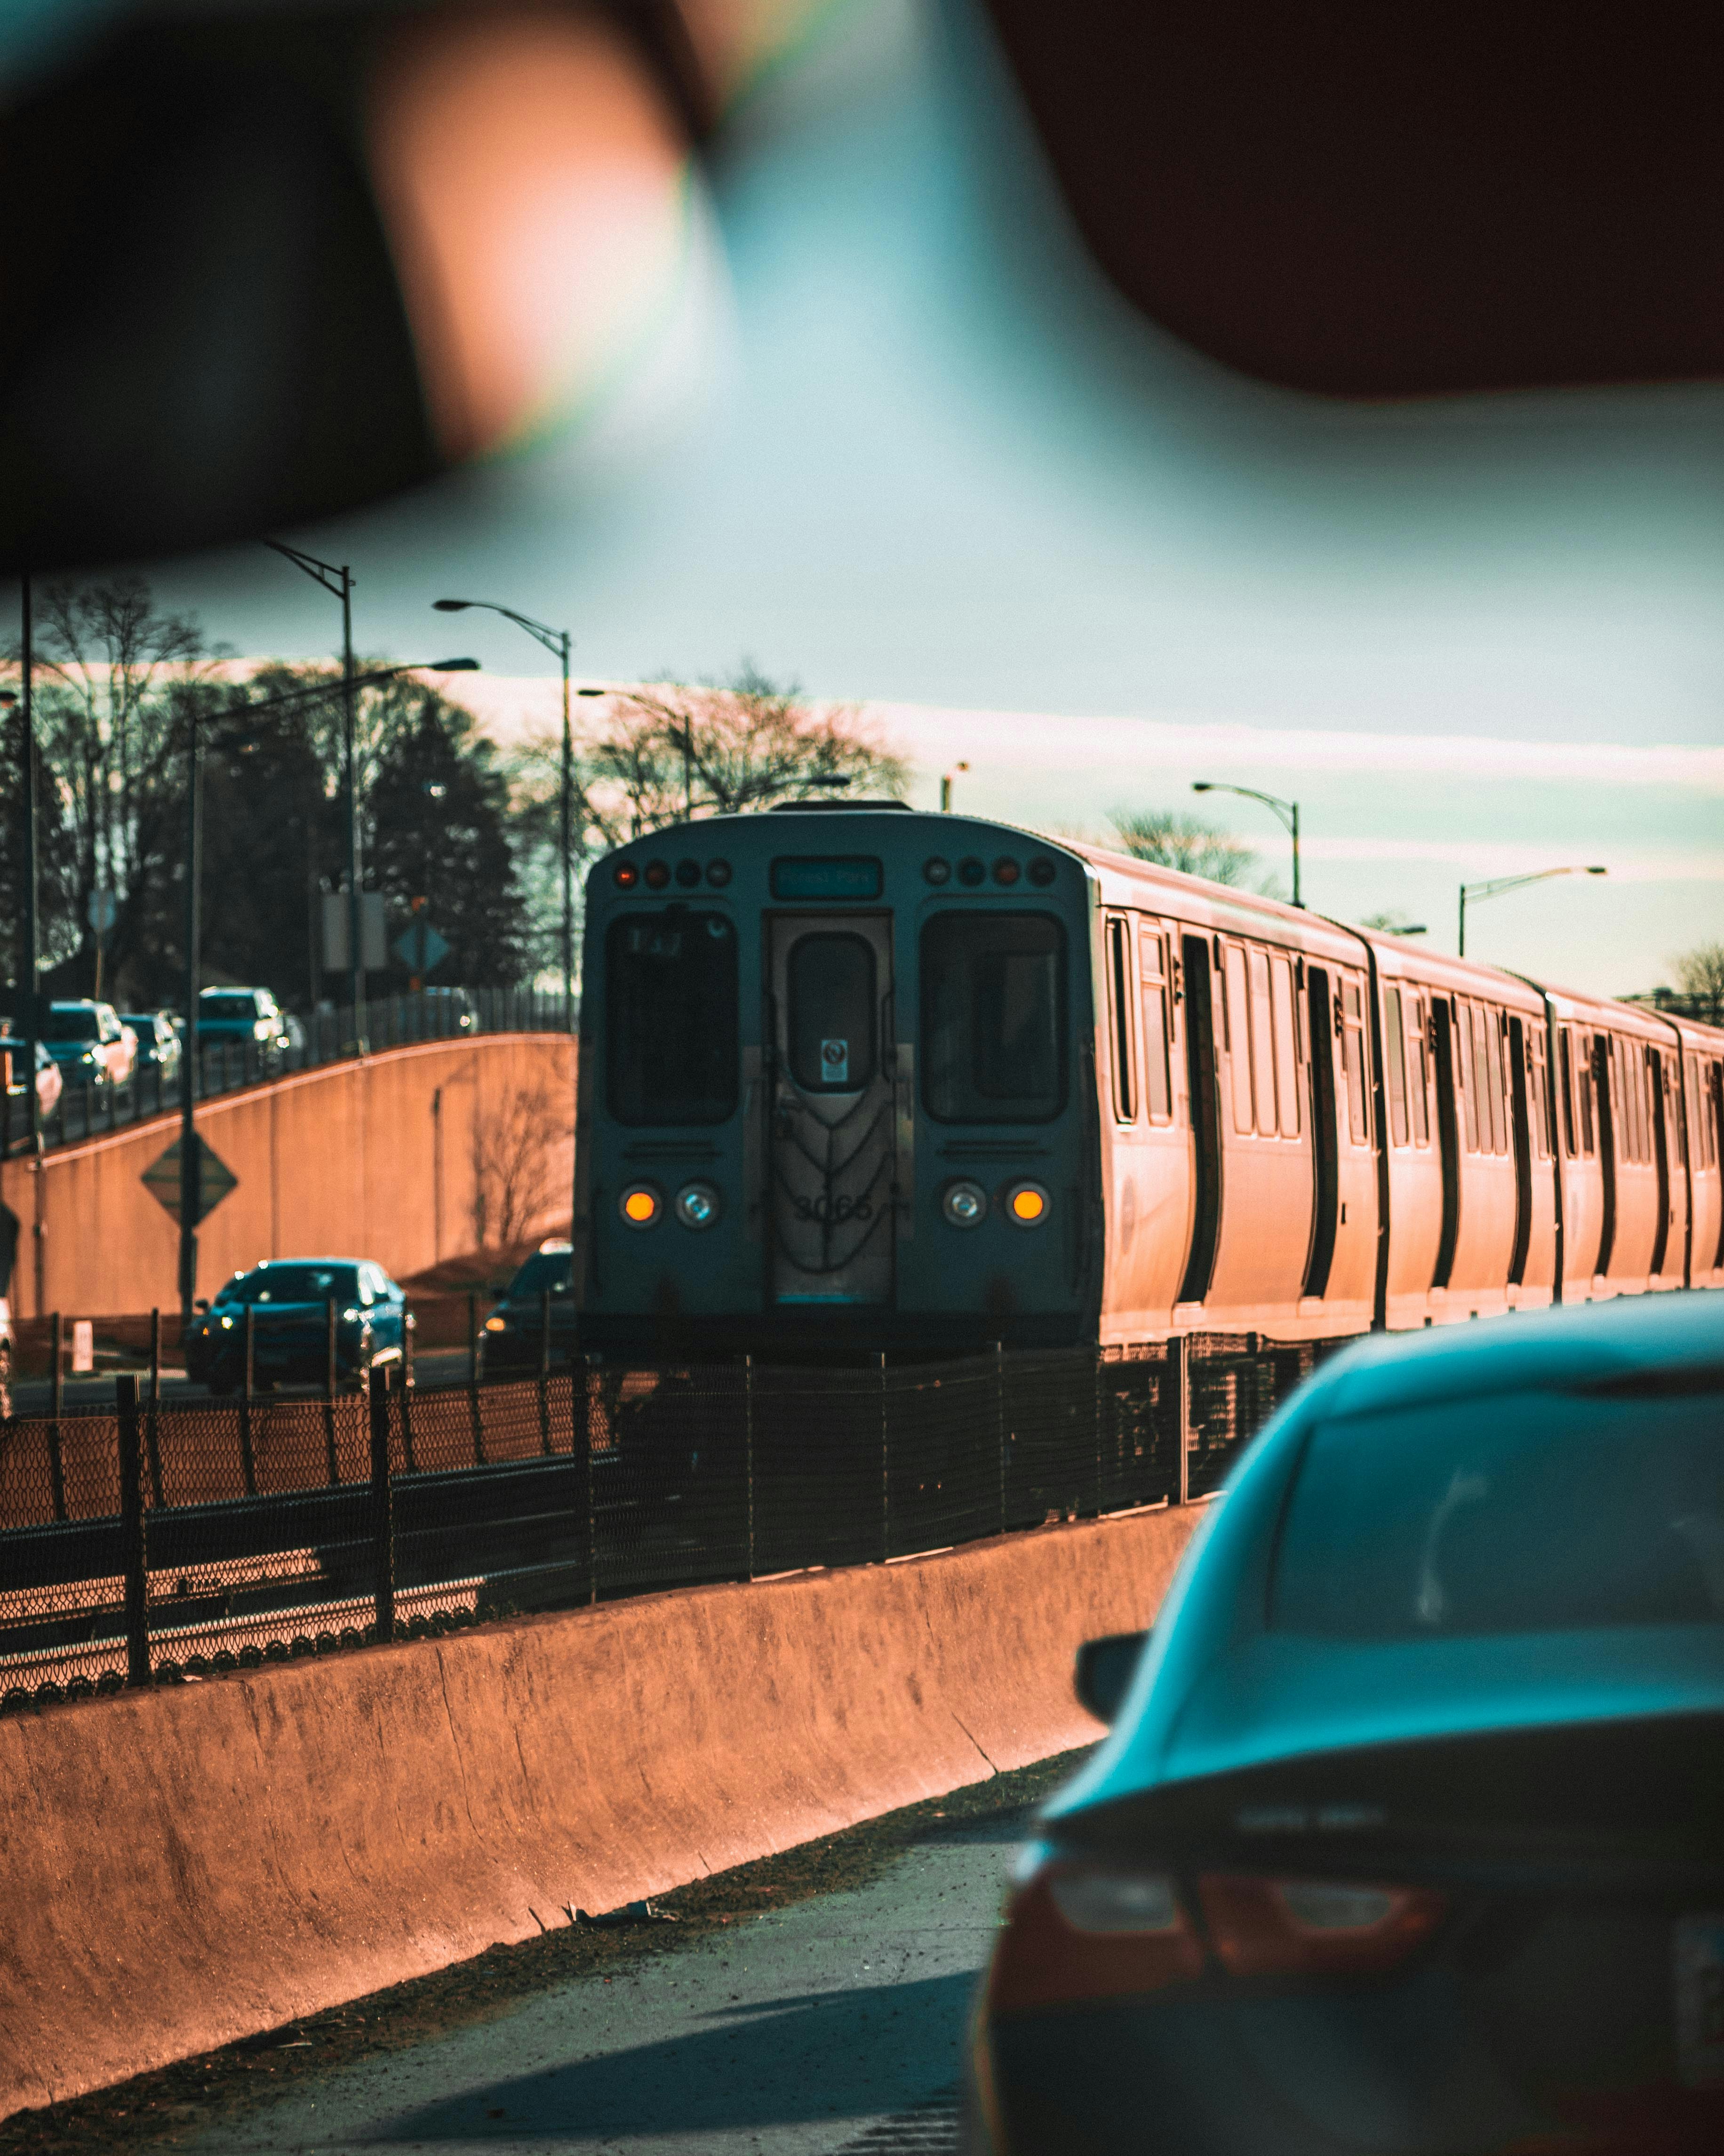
(885, 431)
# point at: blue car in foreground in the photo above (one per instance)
(290, 1299)
(1408, 1838)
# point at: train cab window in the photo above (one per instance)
(1119, 1009)
(993, 1018)
(831, 1013)
(1352, 1057)
(1152, 991)
(671, 1018)
(1286, 1047)
(1395, 1048)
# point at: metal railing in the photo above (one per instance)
(161, 1541)
(327, 1037)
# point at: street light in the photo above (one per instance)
(558, 641)
(190, 1179)
(1288, 811)
(945, 786)
(1501, 884)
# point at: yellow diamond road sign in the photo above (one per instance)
(215, 1179)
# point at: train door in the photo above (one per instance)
(1668, 1246)
(1203, 1082)
(1607, 1148)
(831, 1147)
(1520, 1122)
(1326, 1203)
(1265, 1227)
(1444, 1053)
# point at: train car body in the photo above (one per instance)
(855, 1079)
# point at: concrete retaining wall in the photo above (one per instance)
(375, 1159)
(188, 1867)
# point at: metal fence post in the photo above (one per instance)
(544, 1370)
(247, 1463)
(1000, 1421)
(134, 1554)
(154, 1426)
(885, 1472)
(474, 1403)
(382, 1504)
(1179, 1355)
(329, 1324)
(57, 1402)
(748, 1451)
(584, 1437)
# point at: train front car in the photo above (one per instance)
(836, 1090)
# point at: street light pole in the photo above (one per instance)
(559, 641)
(1496, 888)
(945, 786)
(1288, 811)
(339, 581)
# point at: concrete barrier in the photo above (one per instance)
(185, 1867)
(408, 1157)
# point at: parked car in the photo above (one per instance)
(90, 1043)
(442, 1013)
(158, 1040)
(289, 1299)
(510, 1343)
(49, 1083)
(1408, 1835)
(249, 1016)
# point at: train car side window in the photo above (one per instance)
(1418, 1070)
(670, 1019)
(833, 1003)
(1465, 1069)
(1397, 1059)
(1496, 1046)
(1238, 1011)
(993, 1018)
(1119, 1010)
(1353, 1057)
(1286, 1047)
(1537, 1096)
(1263, 1044)
(1152, 988)
(1565, 1088)
(1583, 1091)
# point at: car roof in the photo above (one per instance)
(1219, 1692)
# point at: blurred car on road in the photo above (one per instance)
(290, 1299)
(441, 1013)
(249, 1017)
(49, 1083)
(512, 1333)
(158, 1043)
(1409, 1835)
(90, 1043)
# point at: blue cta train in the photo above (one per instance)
(856, 1080)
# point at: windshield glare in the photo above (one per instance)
(278, 1284)
(1524, 1513)
(544, 1270)
(73, 1024)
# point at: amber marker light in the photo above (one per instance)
(640, 1205)
(1027, 1204)
(627, 875)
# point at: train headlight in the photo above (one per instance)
(965, 1204)
(640, 1206)
(697, 1205)
(1027, 1204)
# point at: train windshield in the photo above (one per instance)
(671, 1021)
(993, 1018)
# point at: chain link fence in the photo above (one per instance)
(158, 1542)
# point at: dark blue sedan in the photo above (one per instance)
(1409, 1836)
(290, 1301)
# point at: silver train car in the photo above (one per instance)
(855, 1079)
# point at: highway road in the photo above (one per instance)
(829, 2027)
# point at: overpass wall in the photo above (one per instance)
(189, 1866)
(408, 1157)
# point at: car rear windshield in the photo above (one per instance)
(72, 1022)
(993, 1018)
(544, 1270)
(226, 1009)
(295, 1284)
(1519, 1512)
(670, 1019)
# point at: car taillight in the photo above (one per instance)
(1074, 1932)
(1314, 1927)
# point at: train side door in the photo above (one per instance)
(1325, 1212)
(831, 1142)
(1203, 1084)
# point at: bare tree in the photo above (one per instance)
(1392, 921)
(1699, 976)
(1185, 842)
(515, 1153)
